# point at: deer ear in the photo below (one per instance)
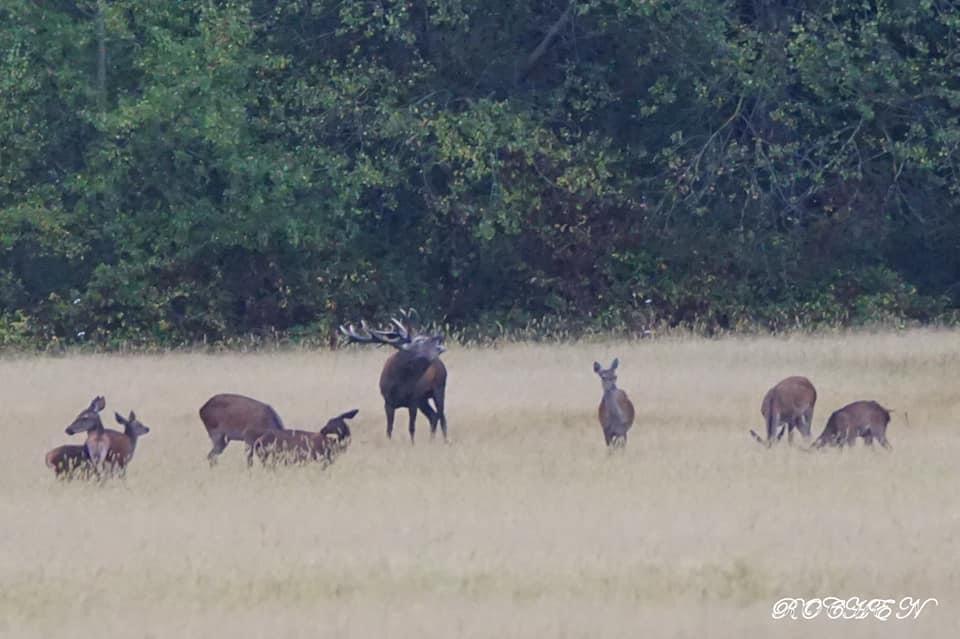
(98, 403)
(120, 419)
(596, 367)
(616, 362)
(132, 416)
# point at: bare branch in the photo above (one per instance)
(541, 49)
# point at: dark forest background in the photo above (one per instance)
(175, 172)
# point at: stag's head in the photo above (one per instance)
(89, 418)
(608, 376)
(401, 334)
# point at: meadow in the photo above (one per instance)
(523, 525)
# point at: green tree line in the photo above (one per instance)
(172, 172)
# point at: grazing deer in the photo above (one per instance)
(866, 419)
(411, 376)
(788, 405)
(616, 411)
(68, 461)
(298, 446)
(229, 417)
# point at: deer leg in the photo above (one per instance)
(219, 443)
(413, 421)
(431, 414)
(790, 434)
(390, 410)
(847, 437)
(438, 400)
(806, 421)
(882, 438)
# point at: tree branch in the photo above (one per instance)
(527, 66)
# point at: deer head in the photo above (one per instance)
(89, 418)
(401, 334)
(608, 376)
(131, 425)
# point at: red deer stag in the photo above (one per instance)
(788, 405)
(229, 417)
(298, 446)
(616, 410)
(411, 376)
(866, 419)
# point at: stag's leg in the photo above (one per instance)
(790, 434)
(431, 414)
(438, 399)
(882, 438)
(219, 443)
(413, 421)
(389, 410)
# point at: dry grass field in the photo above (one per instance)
(523, 526)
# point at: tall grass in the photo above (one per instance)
(523, 526)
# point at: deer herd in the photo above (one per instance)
(411, 378)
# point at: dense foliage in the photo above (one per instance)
(198, 170)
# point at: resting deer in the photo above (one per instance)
(297, 446)
(866, 419)
(788, 405)
(411, 376)
(68, 461)
(616, 410)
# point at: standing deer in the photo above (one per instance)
(297, 446)
(411, 376)
(88, 421)
(616, 410)
(123, 445)
(107, 449)
(788, 405)
(229, 417)
(866, 419)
